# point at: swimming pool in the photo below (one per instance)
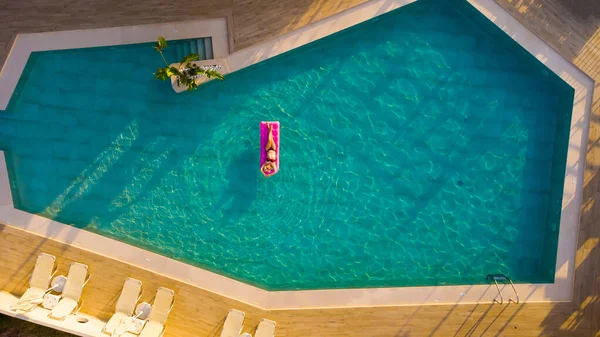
(414, 152)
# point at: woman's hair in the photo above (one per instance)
(268, 166)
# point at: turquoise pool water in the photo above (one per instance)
(423, 147)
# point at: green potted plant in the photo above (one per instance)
(186, 73)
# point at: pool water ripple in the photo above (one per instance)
(414, 152)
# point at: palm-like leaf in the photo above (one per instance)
(213, 73)
(173, 71)
(192, 86)
(165, 73)
(189, 58)
(161, 74)
(161, 44)
(187, 81)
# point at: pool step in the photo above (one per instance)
(201, 50)
(193, 47)
(202, 47)
(178, 52)
(186, 49)
(209, 48)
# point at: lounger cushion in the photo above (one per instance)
(233, 324)
(152, 329)
(75, 281)
(42, 272)
(114, 322)
(129, 296)
(63, 308)
(162, 305)
(266, 328)
(28, 296)
(33, 293)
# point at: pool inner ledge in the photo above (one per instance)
(561, 290)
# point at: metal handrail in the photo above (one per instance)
(515, 290)
(502, 277)
(497, 287)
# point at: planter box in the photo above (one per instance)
(202, 79)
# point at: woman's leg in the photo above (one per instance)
(270, 143)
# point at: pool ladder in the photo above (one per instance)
(503, 278)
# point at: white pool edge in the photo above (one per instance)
(561, 290)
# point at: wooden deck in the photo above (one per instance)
(249, 21)
(200, 313)
(572, 27)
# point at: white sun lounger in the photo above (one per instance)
(76, 280)
(233, 323)
(163, 303)
(130, 295)
(266, 328)
(43, 271)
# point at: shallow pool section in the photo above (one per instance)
(420, 148)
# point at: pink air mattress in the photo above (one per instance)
(264, 138)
